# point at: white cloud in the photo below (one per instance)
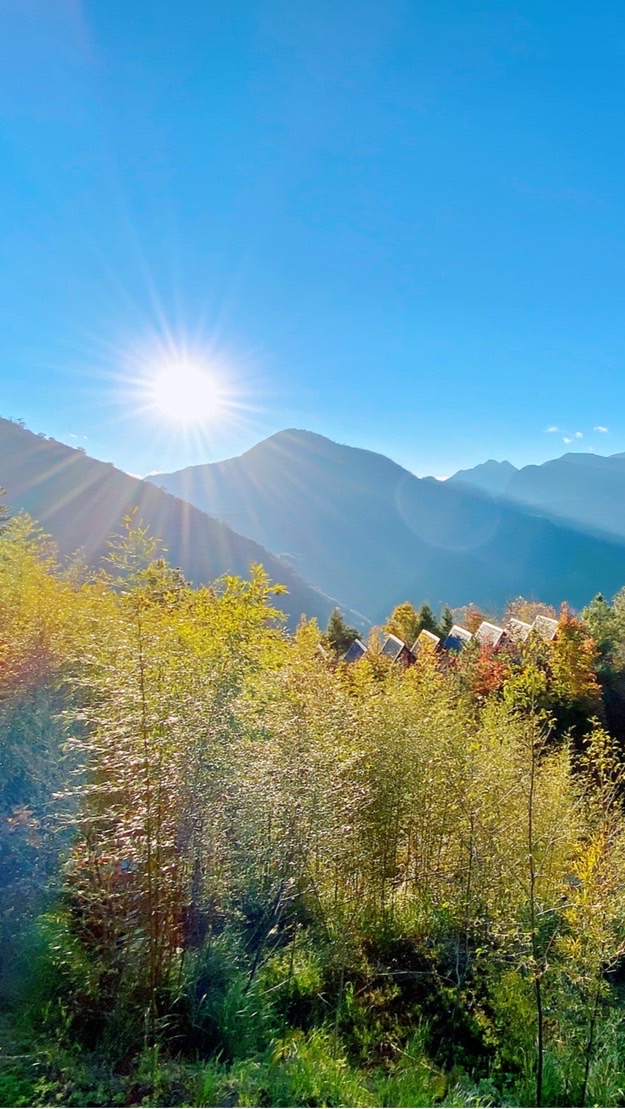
(579, 434)
(566, 439)
(552, 427)
(600, 428)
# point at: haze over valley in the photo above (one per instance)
(342, 526)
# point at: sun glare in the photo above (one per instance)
(185, 393)
(190, 393)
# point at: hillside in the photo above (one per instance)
(81, 502)
(367, 530)
(587, 489)
(360, 873)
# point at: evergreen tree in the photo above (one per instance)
(338, 634)
(445, 622)
(427, 620)
(603, 624)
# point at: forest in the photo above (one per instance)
(235, 870)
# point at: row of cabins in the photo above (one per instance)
(487, 635)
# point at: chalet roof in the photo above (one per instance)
(393, 647)
(457, 639)
(425, 639)
(489, 635)
(518, 630)
(355, 651)
(546, 627)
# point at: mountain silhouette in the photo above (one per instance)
(365, 529)
(81, 502)
(586, 489)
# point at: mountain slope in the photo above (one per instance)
(81, 502)
(586, 489)
(369, 531)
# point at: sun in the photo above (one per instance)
(185, 393)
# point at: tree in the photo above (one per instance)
(484, 670)
(39, 621)
(529, 830)
(594, 909)
(605, 628)
(427, 620)
(404, 622)
(338, 634)
(572, 661)
(445, 622)
(470, 617)
(606, 625)
(527, 611)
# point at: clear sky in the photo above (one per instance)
(397, 223)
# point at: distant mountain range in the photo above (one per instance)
(586, 489)
(361, 528)
(366, 530)
(82, 502)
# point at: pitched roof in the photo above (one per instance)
(355, 651)
(489, 635)
(518, 630)
(546, 627)
(393, 647)
(425, 639)
(457, 639)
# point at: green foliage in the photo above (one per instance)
(603, 625)
(338, 635)
(445, 622)
(406, 623)
(286, 882)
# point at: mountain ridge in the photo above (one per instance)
(81, 502)
(393, 536)
(584, 488)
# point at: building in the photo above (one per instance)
(517, 631)
(546, 627)
(489, 635)
(425, 641)
(355, 651)
(457, 639)
(395, 649)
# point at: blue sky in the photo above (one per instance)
(398, 223)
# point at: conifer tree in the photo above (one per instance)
(338, 633)
(445, 622)
(427, 620)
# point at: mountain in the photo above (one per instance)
(491, 476)
(82, 502)
(587, 489)
(372, 533)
